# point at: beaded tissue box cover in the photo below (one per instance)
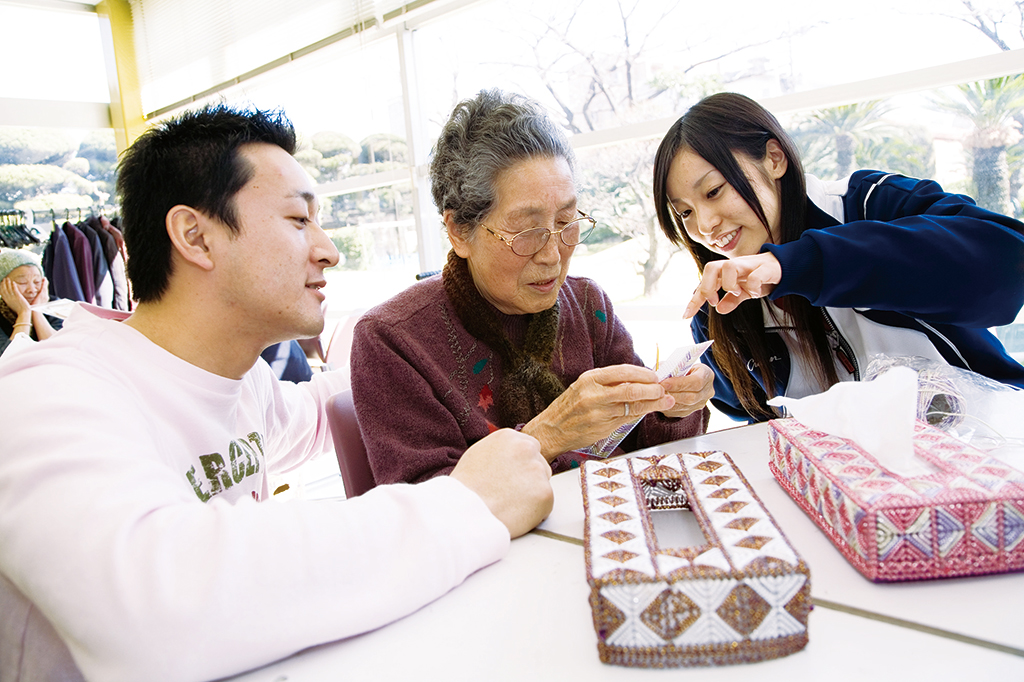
(743, 596)
(967, 518)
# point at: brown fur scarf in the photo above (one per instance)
(529, 385)
(8, 312)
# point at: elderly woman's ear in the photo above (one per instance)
(458, 234)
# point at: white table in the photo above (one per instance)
(527, 617)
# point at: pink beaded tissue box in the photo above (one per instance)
(741, 595)
(965, 518)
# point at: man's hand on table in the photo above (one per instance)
(510, 475)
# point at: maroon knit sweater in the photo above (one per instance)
(424, 388)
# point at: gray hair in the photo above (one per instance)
(483, 137)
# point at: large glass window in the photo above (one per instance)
(351, 89)
(924, 87)
(52, 55)
(607, 63)
(185, 47)
(54, 67)
(45, 169)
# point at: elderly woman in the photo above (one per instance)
(22, 286)
(503, 337)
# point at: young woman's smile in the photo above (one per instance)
(714, 214)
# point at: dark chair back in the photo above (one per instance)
(348, 445)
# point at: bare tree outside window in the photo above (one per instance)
(592, 60)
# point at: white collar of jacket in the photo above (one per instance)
(828, 195)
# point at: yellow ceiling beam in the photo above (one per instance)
(126, 114)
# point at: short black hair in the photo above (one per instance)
(193, 160)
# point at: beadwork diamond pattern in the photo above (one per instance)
(743, 609)
(670, 614)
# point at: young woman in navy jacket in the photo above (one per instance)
(803, 281)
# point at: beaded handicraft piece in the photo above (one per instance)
(678, 364)
(966, 518)
(741, 596)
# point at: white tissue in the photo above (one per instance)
(878, 415)
(60, 307)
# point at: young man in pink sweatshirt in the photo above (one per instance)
(137, 540)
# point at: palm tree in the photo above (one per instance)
(990, 105)
(833, 136)
(908, 151)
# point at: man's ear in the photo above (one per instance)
(457, 235)
(189, 231)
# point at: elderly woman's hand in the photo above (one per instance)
(13, 297)
(595, 405)
(43, 295)
(691, 391)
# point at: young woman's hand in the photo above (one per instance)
(742, 278)
(691, 391)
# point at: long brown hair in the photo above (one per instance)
(717, 129)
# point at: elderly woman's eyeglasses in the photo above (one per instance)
(529, 242)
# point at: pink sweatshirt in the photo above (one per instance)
(134, 515)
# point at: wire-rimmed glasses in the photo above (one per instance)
(529, 242)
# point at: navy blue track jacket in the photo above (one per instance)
(907, 255)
